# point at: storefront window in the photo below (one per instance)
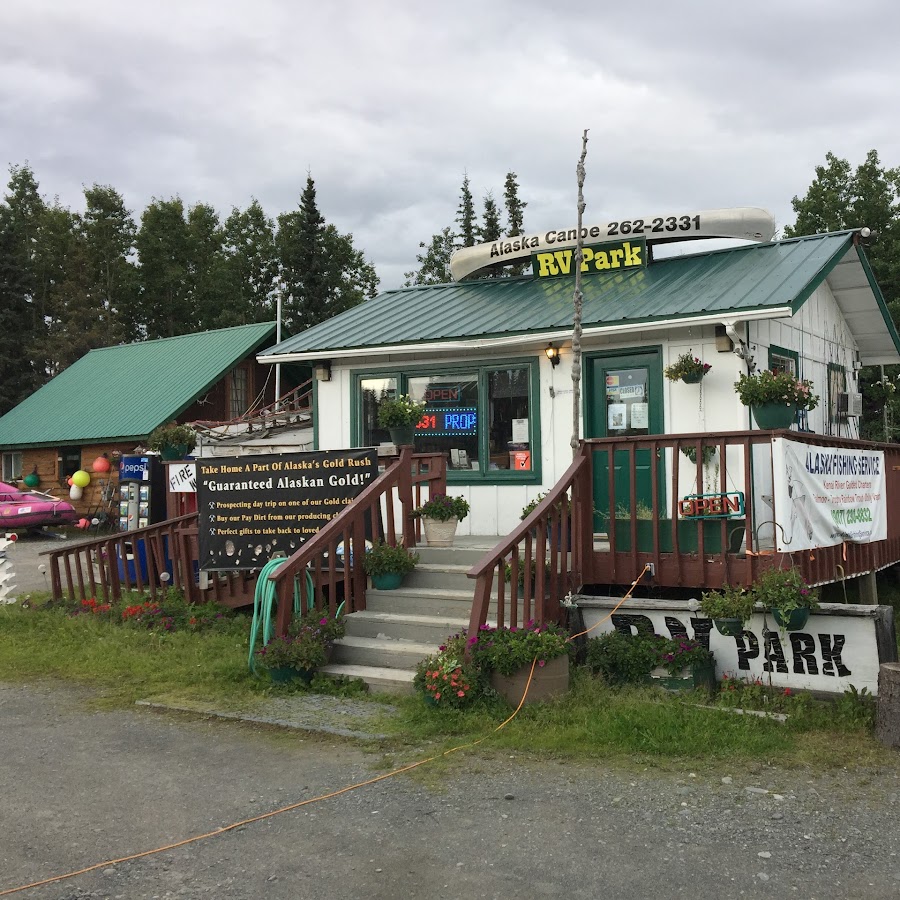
(509, 426)
(68, 462)
(483, 419)
(373, 390)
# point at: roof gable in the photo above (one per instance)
(779, 275)
(124, 392)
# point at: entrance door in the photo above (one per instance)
(625, 398)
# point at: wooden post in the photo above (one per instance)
(887, 719)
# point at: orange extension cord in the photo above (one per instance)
(344, 790)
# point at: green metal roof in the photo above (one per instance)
(124, 392)
(778, 274)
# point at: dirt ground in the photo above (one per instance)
(83, 787)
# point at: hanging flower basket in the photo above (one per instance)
(770, 416)
(687, 368)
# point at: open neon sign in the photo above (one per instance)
(449, 422)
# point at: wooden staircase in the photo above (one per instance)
(386, 641)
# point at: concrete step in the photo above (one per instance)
(433, 630)
(379, 680)
(421, 601)
(465, 555)
(385, 653)
(437, 576)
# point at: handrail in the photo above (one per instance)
(334, 554)
(548, 570)
(113, 563)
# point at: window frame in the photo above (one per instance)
(784, 353)
(481, 368)
(9, 463)
(61, 454)
(835, 416)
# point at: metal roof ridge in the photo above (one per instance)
(178, 337)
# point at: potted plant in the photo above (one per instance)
(775, 397)
(172, 441)
(440, 515)
(687, 368)
(387, 565)
(729, 608)
(684, 663)
(446, 678)
(510, 656)
(785, 593)
(302, 650)
(400, 416)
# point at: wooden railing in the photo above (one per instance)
(333, 556)
(284, 411)
(527, 575)
(700, 552)
(148, 560)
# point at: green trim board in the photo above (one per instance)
(481, 368)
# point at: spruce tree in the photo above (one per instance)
(465, 215)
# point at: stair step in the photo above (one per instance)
(379, 680)
(421, 601)
(459, 556)
(382, 652)
(443, 575)
(425, 629)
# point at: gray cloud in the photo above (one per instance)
(690, 106)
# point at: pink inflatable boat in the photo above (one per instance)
(32, 509)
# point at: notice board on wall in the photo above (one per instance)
(253, 507)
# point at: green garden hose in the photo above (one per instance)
(264, 602)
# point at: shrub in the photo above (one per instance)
(784, 590)
(172, 436)
(770, 387)
(384, 559)
(729, 603)
(506, 650)
(446, 678)
(399, 412)
(622, 658)
(687, 365)
(441, 507)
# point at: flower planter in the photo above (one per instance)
(693, 378)
(729, 627)
(774, 415)
(402, 435)
(387, 581)
(439, 533)
(550, 680)
(288, 674)
(794, 620)
(173, 452)
(688, 679)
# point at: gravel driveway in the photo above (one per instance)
(80, 786)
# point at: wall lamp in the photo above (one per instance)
(552, 354)
(323, 371)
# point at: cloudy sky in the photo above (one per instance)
(690, 106)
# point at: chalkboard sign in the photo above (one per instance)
(252, 507)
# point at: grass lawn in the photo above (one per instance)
(208, 665)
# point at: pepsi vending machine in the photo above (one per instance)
(142, 502)
(142, 492)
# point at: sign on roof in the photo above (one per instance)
(745, 223)
(597, 258)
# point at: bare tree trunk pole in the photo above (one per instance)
(578, 302)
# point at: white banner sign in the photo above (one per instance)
(827, 495)
(183, 479)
